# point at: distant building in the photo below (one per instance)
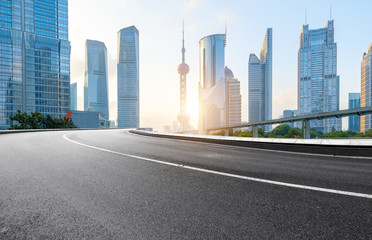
(96, 80)
(73, 96)
(167, 129)
(175, 126)
(260, 83)
(289, 113)
(234, 98)
(354, 102)
(34, 58)
(128, 78)
(318, 83)
(366, 89)
(89, 119)
(212, 95)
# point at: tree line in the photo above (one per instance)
(285, 131)
(35, 120)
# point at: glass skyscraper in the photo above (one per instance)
(366, 89)
(73, 96)
(260, 83)
(318, 83)
(128, 78)
(354, 102)
(96, 78)
(212, 91)
(34, 59)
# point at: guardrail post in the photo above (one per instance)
(306, 129)
(255, 131)
(226, 132)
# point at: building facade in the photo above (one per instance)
(260, 83)
(128, 78)
(289, 113)
(212, 92)
(234, 99)
(318, 83)
(89, 119)
(73, 96)
(34, 59)
(96, 78)
(354, 102)
(366, 89)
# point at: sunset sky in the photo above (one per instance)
(160, 30)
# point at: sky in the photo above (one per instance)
(160, 41)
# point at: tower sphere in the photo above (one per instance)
(183, 68)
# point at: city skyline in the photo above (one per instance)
(243, 37)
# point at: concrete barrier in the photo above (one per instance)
(335, 147)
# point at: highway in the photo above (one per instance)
(113, 184)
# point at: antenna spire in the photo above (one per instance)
(330, 12)
(225, 31)
(305, 16)
(183, 41)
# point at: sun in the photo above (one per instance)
(192, 108)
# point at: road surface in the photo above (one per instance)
(112, 184)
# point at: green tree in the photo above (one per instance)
(294, 133)
(280, 131)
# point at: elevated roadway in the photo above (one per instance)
(113, 184)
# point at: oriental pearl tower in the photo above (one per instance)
(183, 69)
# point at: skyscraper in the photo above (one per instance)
(212, 96)
(354, 102)
(366, 89)
(35, 58)
(318, 84)
(260, 83)
(96, 78)
(128, 78)
(234, 99)
(73, 96)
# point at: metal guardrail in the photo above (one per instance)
(304, 118)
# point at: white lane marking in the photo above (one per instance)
(257, 149)
(327, 190)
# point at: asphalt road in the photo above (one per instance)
(112, 184)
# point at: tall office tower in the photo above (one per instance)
(366, 89)
(183, 69)
(73, 96)
(234, 98)
(260, 83)
(212, 96)
(318, 84)
(96, 78)
(354, 102)
(128, 78)
(34, 59)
